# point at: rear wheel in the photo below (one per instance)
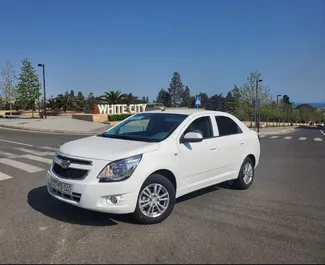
(246, 175)
(156, 200)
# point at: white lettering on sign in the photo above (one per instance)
(121, 108)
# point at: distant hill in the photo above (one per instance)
(315, 105)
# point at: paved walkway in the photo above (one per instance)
(273, 130)
(56, 125)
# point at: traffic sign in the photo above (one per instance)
(197, 101)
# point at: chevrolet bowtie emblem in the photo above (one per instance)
(65, 164)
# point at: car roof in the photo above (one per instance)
(186, 111)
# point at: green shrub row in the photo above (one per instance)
(118, 117)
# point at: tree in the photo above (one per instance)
(248, 93)
(29, 86)
(8, 85)
(90, 102)
(216, 102)
(230, 103)
(176, 90)
(80, 101)
(186, 97)
(113, 97)
(66, 101)
(163, 98)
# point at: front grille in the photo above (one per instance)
(75, 161)
(69, 173)
(73, 197)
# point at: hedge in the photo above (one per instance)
(118, 117)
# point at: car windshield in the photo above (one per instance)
(146, 127)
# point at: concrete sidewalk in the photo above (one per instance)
(274, 130)
(60, 124)
(67, 125)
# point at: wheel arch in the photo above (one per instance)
(168, 175)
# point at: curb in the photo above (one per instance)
(46, 130)
(278, 132)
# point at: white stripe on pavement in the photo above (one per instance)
(6, 141)
(323, 133)
(318, 139)
(287, 137)
(33, 152)
(47, 148)
(302, 138)
(20, 165)
(261, 136)
(4, 176)
(38, 158)
(273, 137)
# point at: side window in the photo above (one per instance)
(227, 126)
(202, 125)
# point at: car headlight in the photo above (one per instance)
(120, 169)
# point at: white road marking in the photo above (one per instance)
(273, 137)
(33, 152)
(38, 158)
(318, 139)
(20, 165)
(4, 176)
(261, 136)
(287, 137)
(322, 132)
(6, 141)
(47, 148)
(302, 138)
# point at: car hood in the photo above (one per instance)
(108, 149)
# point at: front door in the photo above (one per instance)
(197, 160)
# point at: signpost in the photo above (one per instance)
(197, 101)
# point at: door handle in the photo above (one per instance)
(213, 148)
(242, 142)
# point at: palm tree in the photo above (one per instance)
(66, 101)
(112, 97)
(130, 99)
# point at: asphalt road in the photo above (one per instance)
(280, 219)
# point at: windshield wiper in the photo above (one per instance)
(130, 138)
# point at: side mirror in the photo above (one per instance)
(192, 137)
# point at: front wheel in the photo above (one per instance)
(156, 200)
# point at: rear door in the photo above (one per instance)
(231, 146)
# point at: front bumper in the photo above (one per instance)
(96, 196)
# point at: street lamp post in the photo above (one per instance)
(292, 111)
(43, 66)
(277, 104)
(256, 100)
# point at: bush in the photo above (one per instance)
(118, 117)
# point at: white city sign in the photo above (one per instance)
(121, 108)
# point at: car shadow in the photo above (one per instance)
(41, 201)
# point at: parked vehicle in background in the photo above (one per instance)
(321, 125)
(155, 106)
(141, 165)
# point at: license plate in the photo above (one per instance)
(60, 186)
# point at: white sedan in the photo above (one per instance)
(141, 165)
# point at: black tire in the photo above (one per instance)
(240, 183)
(139, 216)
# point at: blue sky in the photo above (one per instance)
(135, 46)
